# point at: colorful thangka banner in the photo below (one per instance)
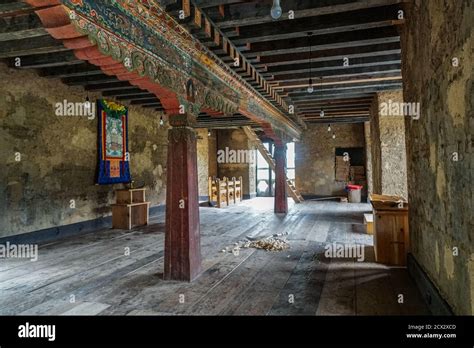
(113, 143)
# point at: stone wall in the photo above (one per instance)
(441, 188)
(235, 139)
(388, 152)
(315, 157)
(59, 156)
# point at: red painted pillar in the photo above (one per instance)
(182, 239)
(281, 201)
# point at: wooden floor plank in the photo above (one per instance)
(82, 282)
(338, 295)
(41, 273)
(212, 303)
(104, 281)
(87, 308)
(302, 292)
(260, 296)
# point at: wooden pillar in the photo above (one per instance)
(281, 201)
(182, 240)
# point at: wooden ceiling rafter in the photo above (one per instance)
(364, 32)
(192, 17)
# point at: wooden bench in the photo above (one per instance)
(226, 191)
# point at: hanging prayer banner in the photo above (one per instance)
(113, 143)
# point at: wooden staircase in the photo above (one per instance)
(292, 191)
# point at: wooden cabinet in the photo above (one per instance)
(131, 209)
(391, 233)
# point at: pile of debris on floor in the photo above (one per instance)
(268, 244)
(271, 243)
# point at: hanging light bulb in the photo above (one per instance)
(276, 11)
(209, 133)
(334, 135)
(87, 104)
(310, 86)
(329, 128)
(310, 83)
(321, 113)
(161, 121)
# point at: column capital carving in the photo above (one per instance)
(182, 120)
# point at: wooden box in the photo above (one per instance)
(127, 216)
(130, 196)
(130, 209)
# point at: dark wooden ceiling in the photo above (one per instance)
(273, 55)
(363, 34)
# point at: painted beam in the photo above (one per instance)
(212, 78)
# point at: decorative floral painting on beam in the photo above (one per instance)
(113, 143)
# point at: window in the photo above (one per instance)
(266, 176)
(290, 162)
